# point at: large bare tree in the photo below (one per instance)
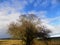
(26, 28)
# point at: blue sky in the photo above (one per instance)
(48, 10)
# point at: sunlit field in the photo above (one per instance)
(50, 42)
(11, 42)
(35, 42)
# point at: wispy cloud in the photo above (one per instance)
(41, 3)
(41, 14)
(9, 11)
(48, 22)
(54, 3)
(46, 3)
(30, 1)
(5, 20)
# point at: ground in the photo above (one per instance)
(36, 42)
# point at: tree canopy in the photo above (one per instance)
(26, 28)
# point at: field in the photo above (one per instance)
(11, 42)
(36, 42)
(50, 42)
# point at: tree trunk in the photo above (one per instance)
(45, 41)
(29, 41)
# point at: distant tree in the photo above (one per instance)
(26, 28)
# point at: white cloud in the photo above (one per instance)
(54, 3)
(47, 22)
(9, 12)
(5, 20)
(41, 3)
(54, 28)
(51, 4)
(19, 4)
(31, 1)
(41, 14)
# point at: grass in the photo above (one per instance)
(11, 42)
(36, 42)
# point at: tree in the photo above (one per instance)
(44, 34)
(26, 28)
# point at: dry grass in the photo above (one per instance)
(20, 42)
(11, 42)
(50, 42)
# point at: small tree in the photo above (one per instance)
(26, 28)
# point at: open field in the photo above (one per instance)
(36, 42)
(11, 42)
(50, 42)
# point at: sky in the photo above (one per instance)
(47, 10)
